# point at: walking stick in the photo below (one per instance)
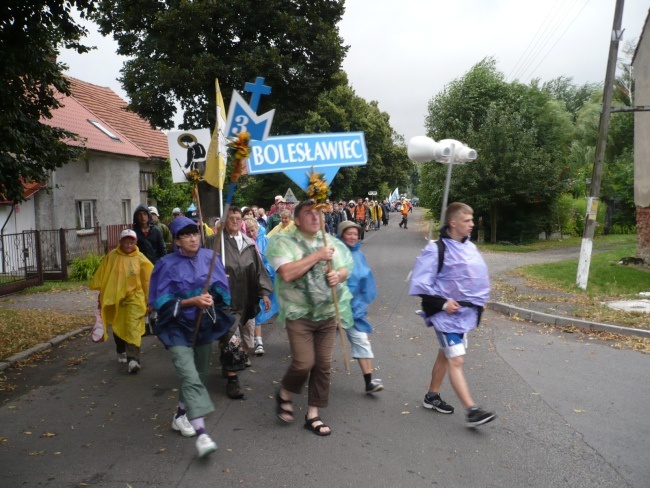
(335, 297)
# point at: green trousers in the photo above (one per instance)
(192, 365)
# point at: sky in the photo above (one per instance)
(402, 53)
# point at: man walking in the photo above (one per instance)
(453, 297)
(304, 288)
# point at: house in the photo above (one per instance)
(122, 154)
(641, 65)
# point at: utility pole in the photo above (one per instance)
(596, 177)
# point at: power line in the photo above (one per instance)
(533, 38)
(559, 38)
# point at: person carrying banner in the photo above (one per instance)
(304, 288)
(189, 321)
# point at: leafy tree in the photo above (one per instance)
(178, 48)
(574, 97)
(521, 136)
(341, 110)
(169, 194)
(31, 35)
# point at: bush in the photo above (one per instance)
(569, 214)
(83, 269)
(623, 229)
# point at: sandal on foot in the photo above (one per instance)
(280, 410)
(318, 429)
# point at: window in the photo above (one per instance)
(127, 218)
(146, 180)
(104, 129)
(85, 214)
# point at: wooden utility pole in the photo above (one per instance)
(603, 127)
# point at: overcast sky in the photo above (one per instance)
(403, 52)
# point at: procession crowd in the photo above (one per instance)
(193, 285)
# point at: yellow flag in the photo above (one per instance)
(215, 163)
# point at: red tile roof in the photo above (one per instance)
(109, 109)
(74, 117)
(28, 190)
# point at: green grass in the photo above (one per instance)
(606, 278)
(55, 286)
(599, 243)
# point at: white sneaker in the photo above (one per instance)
(182, 424)
(121, 357)
(205, 445)
(134, 366)
(259, 349)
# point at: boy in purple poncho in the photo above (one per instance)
(453, 299)
(176, 293)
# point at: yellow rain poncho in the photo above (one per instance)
(123, 284)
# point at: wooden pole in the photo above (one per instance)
(335, 297)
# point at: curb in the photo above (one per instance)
(21, 356)
(546, 318)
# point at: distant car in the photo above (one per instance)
(415, 201)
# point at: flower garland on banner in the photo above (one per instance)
(318, 189)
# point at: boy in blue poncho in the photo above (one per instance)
(362, 286)
(176, 293)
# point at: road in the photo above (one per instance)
(572, 411)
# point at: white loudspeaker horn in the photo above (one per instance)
(423, 149)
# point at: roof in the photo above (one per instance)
(74, 117)
(28, 190)
(638, 43)
(102, 105)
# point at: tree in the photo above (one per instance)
(521, 136)
(31, 35)
(168, 194)
(341, 110)
(574, 97)
(178, 48)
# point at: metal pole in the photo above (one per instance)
(445, 196)
(596, 177)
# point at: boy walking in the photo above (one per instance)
(453, 297)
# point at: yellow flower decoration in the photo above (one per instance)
(317, 189)
(193, 176)
(240, 146)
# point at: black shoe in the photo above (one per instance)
(247, 361)
(234, 391)
(476, 417)
(437, 403)
(374, 386)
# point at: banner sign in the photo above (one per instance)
(242, 118)
(282, 153)
(296, 155)
(187, 152)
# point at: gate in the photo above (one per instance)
(21, 264)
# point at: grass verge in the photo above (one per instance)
(22, 329)
(599, 243)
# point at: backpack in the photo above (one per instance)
(441, 253)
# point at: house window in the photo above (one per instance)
(146, 180)
(85, 214)
(127, 218)
(104, 129)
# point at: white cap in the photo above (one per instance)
(278, 197)
(176, 211)
(128, 233)
(154, 210)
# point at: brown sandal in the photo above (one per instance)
(309, 425)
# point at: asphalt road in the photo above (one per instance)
(572, 411)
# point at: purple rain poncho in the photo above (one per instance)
(463, 277)
(176, 277)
